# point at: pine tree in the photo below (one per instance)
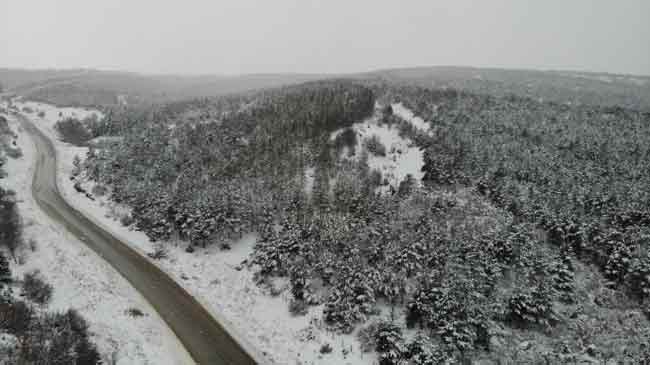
(5, 271)
(406, 186)
(563, 275)
(321, 189)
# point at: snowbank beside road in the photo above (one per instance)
(82, 280)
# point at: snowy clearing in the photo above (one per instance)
(407, 114)
(403, 157)
(83, 281)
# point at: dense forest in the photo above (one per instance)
(526, 241)
(223, 176)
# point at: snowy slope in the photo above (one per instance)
(402, 157)
(83, 281)
(405, 113)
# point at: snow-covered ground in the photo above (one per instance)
(82, 280)
(261, 322)
(403, 157)
(407, 114)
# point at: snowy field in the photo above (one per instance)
(82, 280)
(261, 322)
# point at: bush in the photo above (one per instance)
(69, 339)
(36, 289)
(159, 252)
(126, 220)
(15, 317)
(134, 312)
(562, 273)
(14, 152)
(373, 145)
(421, 351)
(326, 348)
(33, 245)
(638, 277)
(298, 307)
(100, 190)
(73, 131)
(535, 307)
(349, 303)
(389, 343)
(366, 337)
(347, 138)
(10, 222)
(5, 270)
(374, 178)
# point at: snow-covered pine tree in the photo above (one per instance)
(563, 275)
(5, 270)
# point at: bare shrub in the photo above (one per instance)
(134, 312)
(159, 252)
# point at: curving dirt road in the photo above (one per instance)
(203, 337)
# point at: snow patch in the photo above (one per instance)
(402, 158)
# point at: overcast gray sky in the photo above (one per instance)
(245, 36)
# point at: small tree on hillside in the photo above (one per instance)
(10, 223)
(406, 186)
(76, 163)
(36, 289)
(5, 271)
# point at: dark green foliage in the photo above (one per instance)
(532, 307)
(374, 146)
(134, 312)
(347, 138)
(387, 110)
(563, 274)
(15, 316)
(73, 131)
(47, 338)
(298, 307)
(215, 179)
(422, 352)
(325, 348)
(10, 222)
(406, 186)
(638, 277)
(389, 343)
(504, 177)
(5, 270)
(579, 172)
(321, 190)
(36, 289)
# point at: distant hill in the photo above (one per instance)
(94, 87)
(558, 86)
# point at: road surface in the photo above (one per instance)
(204, 338)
